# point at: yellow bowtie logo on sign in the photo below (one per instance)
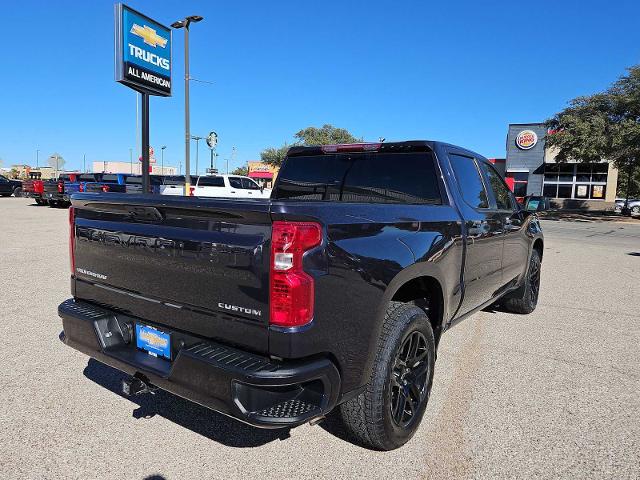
(149, 35)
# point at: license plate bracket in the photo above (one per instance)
(153, 341)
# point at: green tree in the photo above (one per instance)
(605, 125)
(325, 135)
(242, 171)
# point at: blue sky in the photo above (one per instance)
(452, 71)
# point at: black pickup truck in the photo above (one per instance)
(332, 293)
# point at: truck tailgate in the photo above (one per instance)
(200, 267)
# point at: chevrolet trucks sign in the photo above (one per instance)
(143, 52)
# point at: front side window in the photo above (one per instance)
(469, 180)
(498, 187)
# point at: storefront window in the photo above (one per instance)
(564, 191)
(571, 180)
(598, 191)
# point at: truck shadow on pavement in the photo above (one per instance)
(198, 419)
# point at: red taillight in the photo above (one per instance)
(81, 187)
(291, 288)
(351, 147)
(191, 190)
(105, 188)
(72, 239)
(60, 187)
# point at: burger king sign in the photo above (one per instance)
(526, 139)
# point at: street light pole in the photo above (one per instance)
(131, 160)
(187, 130)
(162, 159)
(197, 139)
(37, 158)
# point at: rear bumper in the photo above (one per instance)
(252, 388)
(55, 197)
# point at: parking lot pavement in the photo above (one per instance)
(555, 394)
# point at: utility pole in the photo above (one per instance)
(162, 159)
(131, 160)
(84, 162)
(37, 158)
(187, 127)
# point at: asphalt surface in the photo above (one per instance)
(555, 394)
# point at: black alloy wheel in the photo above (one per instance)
(534, 282)
(409, 376)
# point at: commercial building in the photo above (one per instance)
(531, 169)
(262, 173)
(134, 168)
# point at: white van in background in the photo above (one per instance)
(222, 186)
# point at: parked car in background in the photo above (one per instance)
(109, 182)
(634, 205)
(58, 191)
(333, 293)
(10, 187)
(34, 188)
(220, 186)
(133, 183)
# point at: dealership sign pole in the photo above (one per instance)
(143, 62)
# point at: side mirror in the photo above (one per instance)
(536, 204)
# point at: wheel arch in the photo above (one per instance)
(538, 245)
(425, 292)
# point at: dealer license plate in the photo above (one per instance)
(153, 341)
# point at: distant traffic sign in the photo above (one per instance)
(143, 52)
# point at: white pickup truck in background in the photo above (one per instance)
(222, 186)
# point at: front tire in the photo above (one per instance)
(635, 210)
(525, 299)
(17, 192)
(387, 414)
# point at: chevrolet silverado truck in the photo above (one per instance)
(33, 187)
(58, 192)
(332, 294)
(10, 187)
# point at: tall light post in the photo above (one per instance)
(197, 139)
(37, 158)
(131, 160)
(187, 133)
(162, 159)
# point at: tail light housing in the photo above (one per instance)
(105, 188)
(60, 187)
(191, 190)
(291, 288)
(81, 187)
(72, 239)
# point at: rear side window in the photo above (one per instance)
(64, 177)
(87, 178)
(175, 180)
(211, 182)
(469, 180)
(249, 184)
(361, 178)
(134, 180)
(110, 178)
(235, 182)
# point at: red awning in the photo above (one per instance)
(261, 175)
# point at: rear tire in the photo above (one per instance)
(17, 192)
(635, 210)
(39, 202)
(525, 299)
(53, 203)
(387, 414)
